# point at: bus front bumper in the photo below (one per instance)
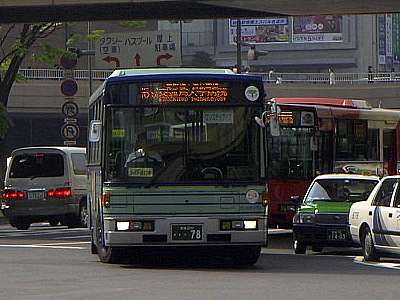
(182, 231)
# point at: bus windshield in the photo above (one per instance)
(154, 145)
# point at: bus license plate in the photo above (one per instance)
(337, 235)
(187, 232)
(37, 195)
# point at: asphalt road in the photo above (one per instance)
(55, 263)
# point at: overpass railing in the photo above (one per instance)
(276, 78)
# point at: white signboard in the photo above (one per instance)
(138, 49)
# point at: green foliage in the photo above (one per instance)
(6, 65)
(73, 39)
(4, 122)
(133, 24)
(50, 55)
(95, 35)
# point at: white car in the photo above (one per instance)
(375, 223)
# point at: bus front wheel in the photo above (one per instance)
(106, 254)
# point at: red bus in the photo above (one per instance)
(311, 136)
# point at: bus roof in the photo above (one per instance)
(338, 102)
(154, 74)
(154, 71)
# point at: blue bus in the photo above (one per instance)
(176, 159)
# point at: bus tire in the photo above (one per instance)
(22, 225)
(247, 256)
(106, 254)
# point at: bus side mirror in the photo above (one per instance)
(95, 131)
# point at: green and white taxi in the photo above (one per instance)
(323, 216)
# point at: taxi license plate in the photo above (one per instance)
(187, 232)
(337, 235)
(36, 195)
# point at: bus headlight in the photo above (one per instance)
(124, 225)
(250, 224)
(252, 196)
(306, 218)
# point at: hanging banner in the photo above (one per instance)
(261, 31)
(317, 29)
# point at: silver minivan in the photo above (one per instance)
(46, 184)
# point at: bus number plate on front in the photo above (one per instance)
(187, 232)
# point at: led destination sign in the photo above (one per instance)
(167, 92)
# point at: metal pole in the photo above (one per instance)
(90, 61)
(238, 45)
(181, 40)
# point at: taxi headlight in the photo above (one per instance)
(306, 218)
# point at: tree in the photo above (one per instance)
(14, 52)
(202, 59)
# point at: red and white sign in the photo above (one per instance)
(138, 49)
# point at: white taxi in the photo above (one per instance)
(375, 223)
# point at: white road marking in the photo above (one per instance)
(43, 246)
(388, 265)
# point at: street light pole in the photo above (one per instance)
(238, 45)
(89, 57)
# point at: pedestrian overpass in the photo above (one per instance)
(12, 11)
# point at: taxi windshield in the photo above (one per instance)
(341, 190)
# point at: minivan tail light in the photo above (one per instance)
(13, 195)
(63, 192)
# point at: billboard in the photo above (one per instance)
(317, 29)
(396, 38)
(261, 31)
(138, 49)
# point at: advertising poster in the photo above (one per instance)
(396, 38)
(317, 29)
(269, 30)
(382, 40)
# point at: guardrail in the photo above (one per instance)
(276, 78)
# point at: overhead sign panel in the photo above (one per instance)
(138, 49)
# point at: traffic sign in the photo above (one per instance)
(69, 87)
(70, 109)
(70, 131)
(68, 61)
(138, 49)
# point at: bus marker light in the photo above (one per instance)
(122, 225)
(237, 225)
(105, 200)
(137, 226)
(148, 226)
(226, 225)
(250, 224)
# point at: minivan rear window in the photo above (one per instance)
(37, 165)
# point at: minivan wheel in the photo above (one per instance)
(368, 247)
(299, 247)
(54, 222)
(83, 216)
